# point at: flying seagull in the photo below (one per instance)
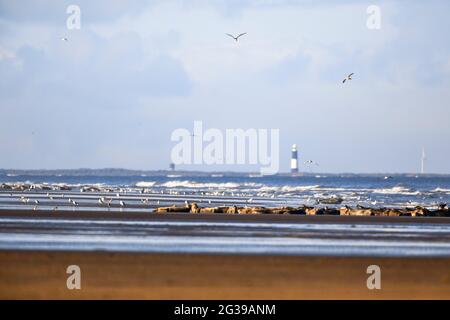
(236, 38)
(349, 77)
(310, 162)
(64, 39)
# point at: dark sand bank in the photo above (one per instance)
(88, 214)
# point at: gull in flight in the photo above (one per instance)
(237, 37)
(349, 77)
(64, 39)
(310, 162)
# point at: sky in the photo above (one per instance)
(135, 71)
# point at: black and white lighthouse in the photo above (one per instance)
(294, 160)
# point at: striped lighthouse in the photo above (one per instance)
(294, 160)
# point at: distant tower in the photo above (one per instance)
(294, 160)
(422, 165)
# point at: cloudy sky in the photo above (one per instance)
(135, 71)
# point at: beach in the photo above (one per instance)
(133, 265)
(126, 249)
(42, 275)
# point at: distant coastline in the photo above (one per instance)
(120, 172)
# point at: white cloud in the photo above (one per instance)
(128, 78)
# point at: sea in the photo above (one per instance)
(45, 230)
(371, 191)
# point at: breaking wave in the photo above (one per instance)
(192, 184)
(396, 190)
(442, 190)
(288, 188)
(145, 184)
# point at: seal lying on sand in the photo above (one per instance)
(442, 210)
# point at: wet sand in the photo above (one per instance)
(114, 275)
(132, 215)
(42, 275)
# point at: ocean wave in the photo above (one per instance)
(192, 184)
(396, 190)
(145, 184)
(441, 190)
(267, 188)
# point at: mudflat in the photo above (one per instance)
(104, 275)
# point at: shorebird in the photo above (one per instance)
(24, 200)
(36, 201)
(104, 200)
(349, 77)
(237, 37)
(122, 204)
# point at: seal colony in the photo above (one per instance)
(442, 211)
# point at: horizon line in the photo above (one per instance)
(302, 173)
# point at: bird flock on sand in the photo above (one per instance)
(58, 197)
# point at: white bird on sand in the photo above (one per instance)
(349, 77)
(237, 37)
(122, 204)
(25, 200)
(36, 201)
